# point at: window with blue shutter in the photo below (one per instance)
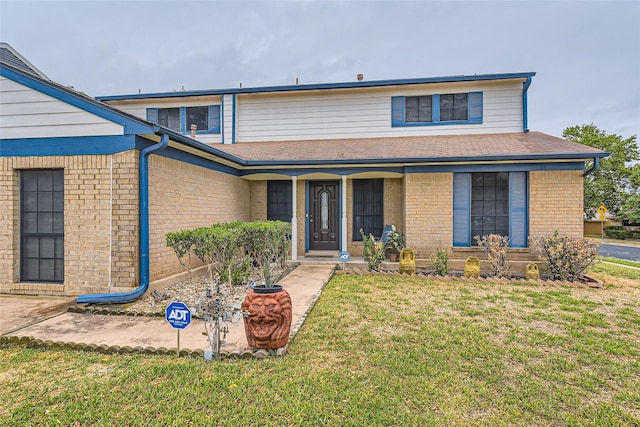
(437, 109)
(461, 209)
(490, 203)
(518, 209)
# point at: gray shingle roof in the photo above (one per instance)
(441, 148)
(9, 55)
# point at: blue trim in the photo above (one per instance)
(183, 121)
(518, 209)
(435, 111)
(510, 167)
(222, 117)
(306, 217)
(461, 210)
(525, 120)
(131, 125)
(596, 165)
(318, 86)
(334, 171)
(474, 159)
(233, 119)
(66, 146)
(152, 115)
(340, 217)
(144, 234)
(473, 119)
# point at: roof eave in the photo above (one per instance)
(321, 86)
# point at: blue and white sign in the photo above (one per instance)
(345, 256)
(178, 315)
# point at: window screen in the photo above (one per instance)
(279, 201)
(42, 226)
(368, 207)
(489, 203)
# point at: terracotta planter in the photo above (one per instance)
(268, 319)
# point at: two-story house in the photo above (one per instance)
(444, 159)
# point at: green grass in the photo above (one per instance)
(623, 262)
(618, 270)
(375, 351)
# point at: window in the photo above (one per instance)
(490, 203)
(169, 118)
(180, 119)
(454, 107)
(368, 207)
(418, 109)
(279, 201)
(436, 109)
(42, 225)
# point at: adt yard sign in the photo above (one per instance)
(178, 315)
(345, 256)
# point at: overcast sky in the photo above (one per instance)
(586, 53)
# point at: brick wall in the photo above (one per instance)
(183, 196)
(258, 200)
(428, 204)
(556, 203)
(93, 262)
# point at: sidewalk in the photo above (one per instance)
(304, 284)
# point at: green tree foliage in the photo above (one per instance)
(611, 183)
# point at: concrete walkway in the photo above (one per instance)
(304, 284)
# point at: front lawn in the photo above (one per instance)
(375, 351)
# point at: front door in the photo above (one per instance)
(324, 215)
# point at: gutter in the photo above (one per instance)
(596, 164)
(525, 120)
(144, 234)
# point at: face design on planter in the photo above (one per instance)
(269, 317)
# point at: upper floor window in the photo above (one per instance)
(437, 109)
(180, 119)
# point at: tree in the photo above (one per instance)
(613, 182)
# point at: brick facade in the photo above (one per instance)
(98, 240)
(556, 203)
(184, 196)
(428, 203)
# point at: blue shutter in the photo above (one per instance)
(183, 119)
(214, 118)
(518, 218)
(397, 110)
(461, 209)
(475, 107)
(152, 115)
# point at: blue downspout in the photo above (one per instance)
(144, 235)
(596, 164)
(525, 120)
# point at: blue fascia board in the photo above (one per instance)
(183, 156)
(492, 167)
(66, 146)
(333, 171)
(131, 124)
(471, 159)
(321, 86)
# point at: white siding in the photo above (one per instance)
(227, 119)
(367, 113)
(139, 109)
(27, 113)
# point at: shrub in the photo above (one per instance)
(373, 252)
(617, 234)
(495, 247)
(182, 244)
(566, 258)
(237, 272)
(440, 261)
